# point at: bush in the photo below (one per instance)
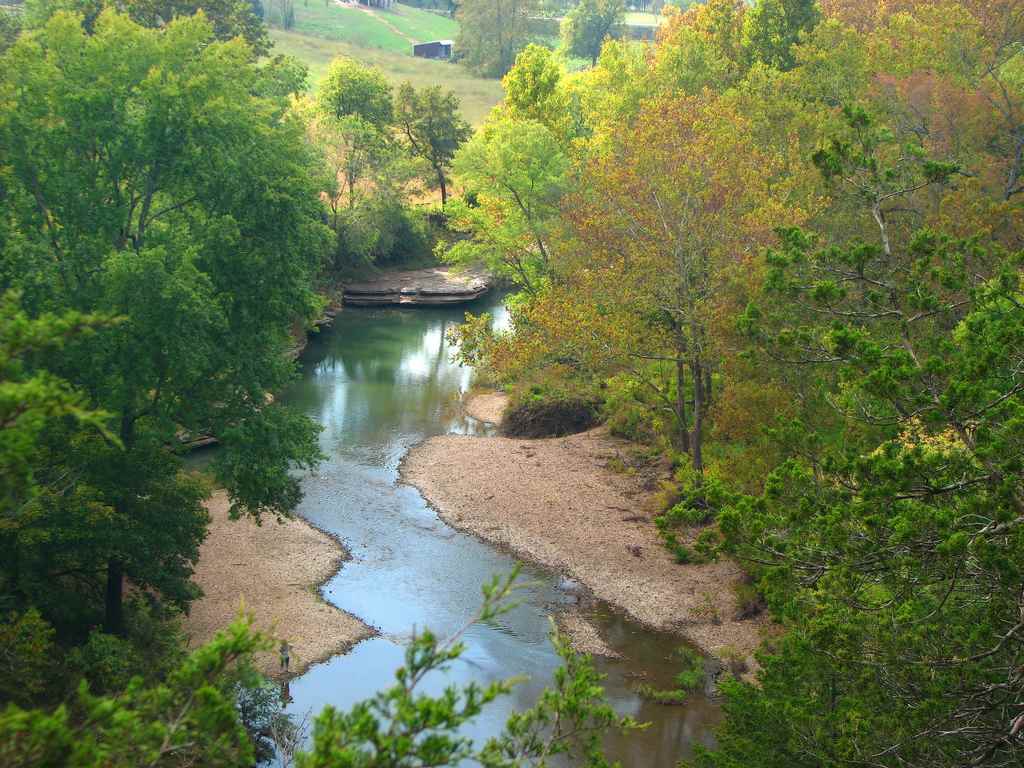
(749, 602)
(106, 661)
(633, 410)
(27, 661)
(690, 678)
(383, 232)
(550, 411)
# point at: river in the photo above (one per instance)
(380, 381)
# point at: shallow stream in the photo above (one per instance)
(380, 382)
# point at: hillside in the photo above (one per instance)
(384, 39)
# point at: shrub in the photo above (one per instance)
(690, 678)
(108, 662)
(749, 602)
(550, 412)
(27, 661)
(633, 410)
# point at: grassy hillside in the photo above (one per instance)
(477, 95)
(392, 30)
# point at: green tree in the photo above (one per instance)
(585, 27)
(230, 18)
(535, 89)
(191, 718)
(366, 189)
(31, 400)
(492, 32)
(351, 88)
(432, 128)
(892, 546)
(10, 26)
(517, 172)
(165, 193)
(772, 27)
(194, 717)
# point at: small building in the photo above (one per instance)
(436, 49)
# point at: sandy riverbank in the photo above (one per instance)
(486, 406)
(276, 569)
(556, 502)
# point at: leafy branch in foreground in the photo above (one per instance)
(402, 727)
(212, 708)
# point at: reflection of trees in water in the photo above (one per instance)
(400, 375)
(400, 360)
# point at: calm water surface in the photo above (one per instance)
(380, 382)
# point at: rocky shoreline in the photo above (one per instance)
(433, 286)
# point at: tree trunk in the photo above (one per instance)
(444, 187)
(113, 620)
(707, 387)
(684, 426)
(113, 601)
(698, 418)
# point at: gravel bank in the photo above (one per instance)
(583, 635)
(486, 406)
(556, 502)
(276, 570)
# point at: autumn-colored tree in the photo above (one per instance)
(681, 197)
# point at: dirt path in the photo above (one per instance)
(378, 17)
(275, 570)
(556, 502)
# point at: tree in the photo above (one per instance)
(31, 400)
(772, 27)
(535, 89)
(230, 18)
(893, 545)
(351, 88)
(585, 27)
(185, 206)
(665, 214)
(190, 718)
(433, 130)
(365, 189)
(194, 716)
(516, 171)
(10, 26)
(492, 32)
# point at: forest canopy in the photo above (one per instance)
(779, 249)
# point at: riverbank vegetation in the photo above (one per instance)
(781, 248)
(171, 200)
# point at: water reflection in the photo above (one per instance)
(381, 381)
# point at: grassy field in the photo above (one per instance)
(639, 19)
(392, 30)
(477, 95)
